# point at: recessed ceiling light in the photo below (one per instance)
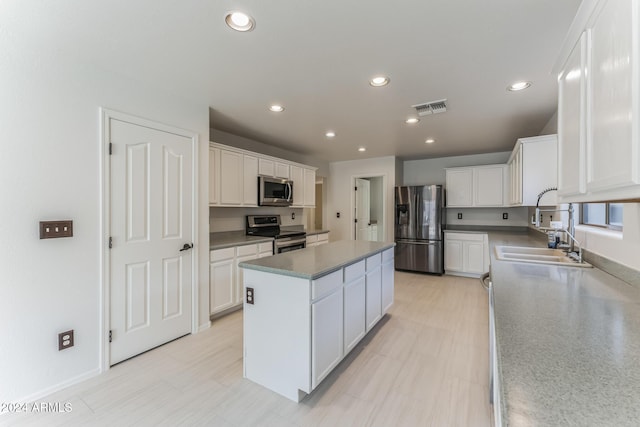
(239, 21)
(361, 149)
(276, 108)
(412, 120)
(519, 86)
(379, 81)
(429, 141)
(330, 134)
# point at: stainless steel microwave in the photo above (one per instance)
(274, 191)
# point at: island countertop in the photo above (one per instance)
(314, 262)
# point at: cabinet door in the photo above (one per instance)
(515, 177)
(309, 188)
(326, 335)
(387, 285)
(354, 313)
(282, 170)
(231, 189)
(612, 155)
(572, 122)
(473, 257)
(452, 254)
(459, 187)
(214, 176)
(374, 297)
(250, 180)
(487, 183)
(297, 176)
(266, 167)
(221, 285)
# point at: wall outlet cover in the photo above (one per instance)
(459, 215)
(65, 340)
(505, 215)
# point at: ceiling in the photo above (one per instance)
(316, 58)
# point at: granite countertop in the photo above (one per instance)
(312, 263)
(227, 239)
(568, 342)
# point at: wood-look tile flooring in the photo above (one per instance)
(424, 364)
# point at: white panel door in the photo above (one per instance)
(452, 254)
(214, 176)
(309, 188)
(266, 167)
(282, 170)
(388, 285)
(222, 285)
(363, 209)
(231, 188)
(487, 184)
(473, 256)
(459, 187)
(151, 221)
(250, 180)
(297, 176)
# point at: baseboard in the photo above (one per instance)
(204, 326)
(60, 386)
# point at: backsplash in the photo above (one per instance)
(232, 219)
(517, 217)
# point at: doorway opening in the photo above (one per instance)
(369, 208)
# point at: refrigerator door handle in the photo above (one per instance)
(413, 242)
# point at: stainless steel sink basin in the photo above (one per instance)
(537, 256)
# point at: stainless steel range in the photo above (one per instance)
(269, 226)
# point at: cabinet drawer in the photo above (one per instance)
(467, 237)
(245, 250)
(387, 255)
(326, 284)
(222, 254)
(323, 237)
(373, 261)
(353, 271)
(265, 247)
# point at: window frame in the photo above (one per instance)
(607, 219)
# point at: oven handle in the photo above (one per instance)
(289, 241)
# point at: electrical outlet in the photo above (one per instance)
(65, 340)
(250, 296)
(337, 214)
(293, 215)
(54, 229)
(459, 215)
(505, 215)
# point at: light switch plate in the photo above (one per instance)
(55, 229)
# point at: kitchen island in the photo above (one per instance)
(305, 310)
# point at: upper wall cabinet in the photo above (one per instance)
(233, 177)
(478, 186)
(599, 104)
(532, 168)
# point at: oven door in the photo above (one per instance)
(288, 244)
(274, 191)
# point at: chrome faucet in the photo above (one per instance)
(570, 231)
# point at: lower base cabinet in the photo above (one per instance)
(326, 335)
(466, 254)
(354, 313)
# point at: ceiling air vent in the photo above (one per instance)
(433, 107)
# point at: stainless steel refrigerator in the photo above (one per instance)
(419, 221)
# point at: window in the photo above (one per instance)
(608, 215)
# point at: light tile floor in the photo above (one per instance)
(424, 364)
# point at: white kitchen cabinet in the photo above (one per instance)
(317, 239)
(226, 278)
(533, 168)
(222, 283)
(214, 175)
(250, 180)
(466, 254)
(354, 312)
(231, 189)
(388, 282)
(459, 187)
(487, 185)
(233, 177)
(604, 166)
(326, 335)
(373, 309)
(477, 186)
(309, 188)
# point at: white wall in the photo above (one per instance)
(50, 169)
(488, 216)
(431, 171)
(340, 193)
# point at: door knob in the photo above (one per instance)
(186, 247)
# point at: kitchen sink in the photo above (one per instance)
(537, 256)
